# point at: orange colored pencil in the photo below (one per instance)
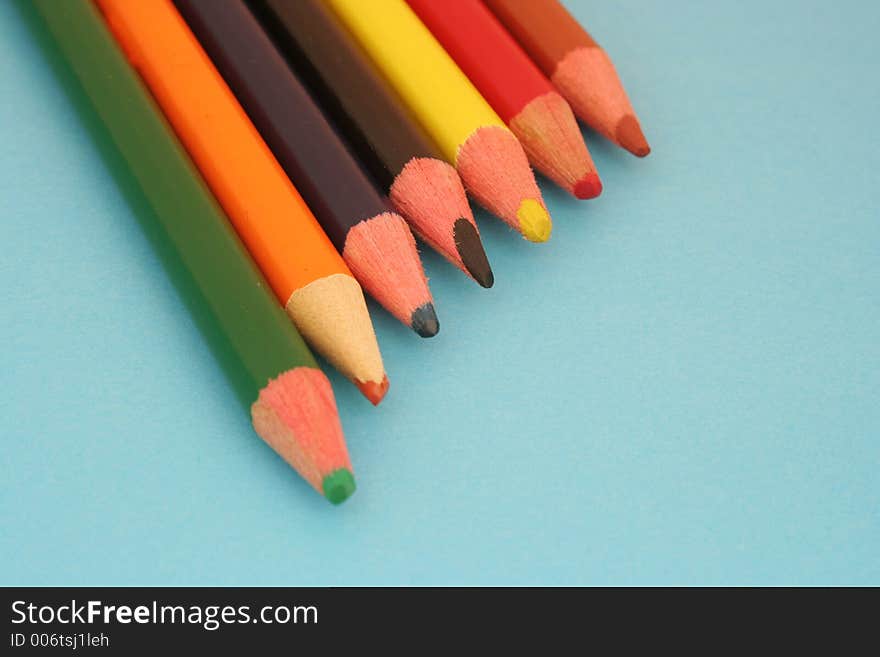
(306, 272)
(575, 63)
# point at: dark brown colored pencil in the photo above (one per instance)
(376, 244)
(389, 142)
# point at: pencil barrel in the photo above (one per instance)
(352, 92)
(246, 326)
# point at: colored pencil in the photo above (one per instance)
(490, 160)
(290, 399)
(305, 271)
(516, 89)
(394, 149)
(579, 68)
(376, 243)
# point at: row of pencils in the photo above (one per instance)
(288, 150)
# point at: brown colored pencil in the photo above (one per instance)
(577, 65)
(375, 243)
(472, 137)
(393, 148)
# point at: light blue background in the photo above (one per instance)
(681, 387)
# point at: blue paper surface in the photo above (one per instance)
(682, 386)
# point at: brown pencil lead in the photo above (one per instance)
(470, 250)
(629, 135)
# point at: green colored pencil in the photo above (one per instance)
(290, 399)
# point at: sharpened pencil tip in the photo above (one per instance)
(470, 250)
(486, 280)
(373, 391)
(534, 221)
(588, 187)
(629, 135)
(424, 321)
(338, 486)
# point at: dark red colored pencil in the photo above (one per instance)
(516, 89)
(375, 243)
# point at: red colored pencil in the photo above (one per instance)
(515, 88)
(580, 69)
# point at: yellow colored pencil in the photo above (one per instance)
(489, 158)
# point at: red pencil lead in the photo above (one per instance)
(588, 187)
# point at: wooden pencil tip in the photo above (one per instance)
(587, 79)
(424, 321)
(331, 313)
(429, 193)
(470, 250)
(372, 390)
(588, 187)
(495, 171)
(629, 135)
(381, 252)
(296, 415)
(549, 133)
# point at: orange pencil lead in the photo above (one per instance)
(630, 136)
